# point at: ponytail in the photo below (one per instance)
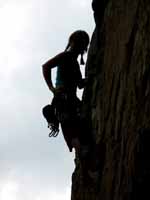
(67, 47)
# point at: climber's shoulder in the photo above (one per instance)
(64, 55)
(64, 58)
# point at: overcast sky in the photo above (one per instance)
(32, 166)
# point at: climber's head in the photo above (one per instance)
(78, 42)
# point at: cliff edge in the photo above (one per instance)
(117, 101)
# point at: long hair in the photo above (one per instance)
(80, 38)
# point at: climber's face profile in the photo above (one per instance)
(79, 48)
(75, 48)
(79, 41)
(83, 48)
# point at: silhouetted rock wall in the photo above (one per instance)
(117, 101)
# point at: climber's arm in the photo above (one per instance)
(46, 68)
(82, 83)
(47, 77)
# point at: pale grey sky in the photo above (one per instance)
(32, 166)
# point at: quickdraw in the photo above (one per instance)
(51, 118)
(54, 130)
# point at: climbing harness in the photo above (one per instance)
(59, 112)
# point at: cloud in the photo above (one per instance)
(12, 190)
(81, 3)
(33, 166)
(9, 191)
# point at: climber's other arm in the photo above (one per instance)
(46, 68)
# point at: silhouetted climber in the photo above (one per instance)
(65, 107)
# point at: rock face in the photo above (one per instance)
(117, 102)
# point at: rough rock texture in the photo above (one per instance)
(117, 102)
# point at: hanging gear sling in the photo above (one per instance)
(62, 109)
(49, 112)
